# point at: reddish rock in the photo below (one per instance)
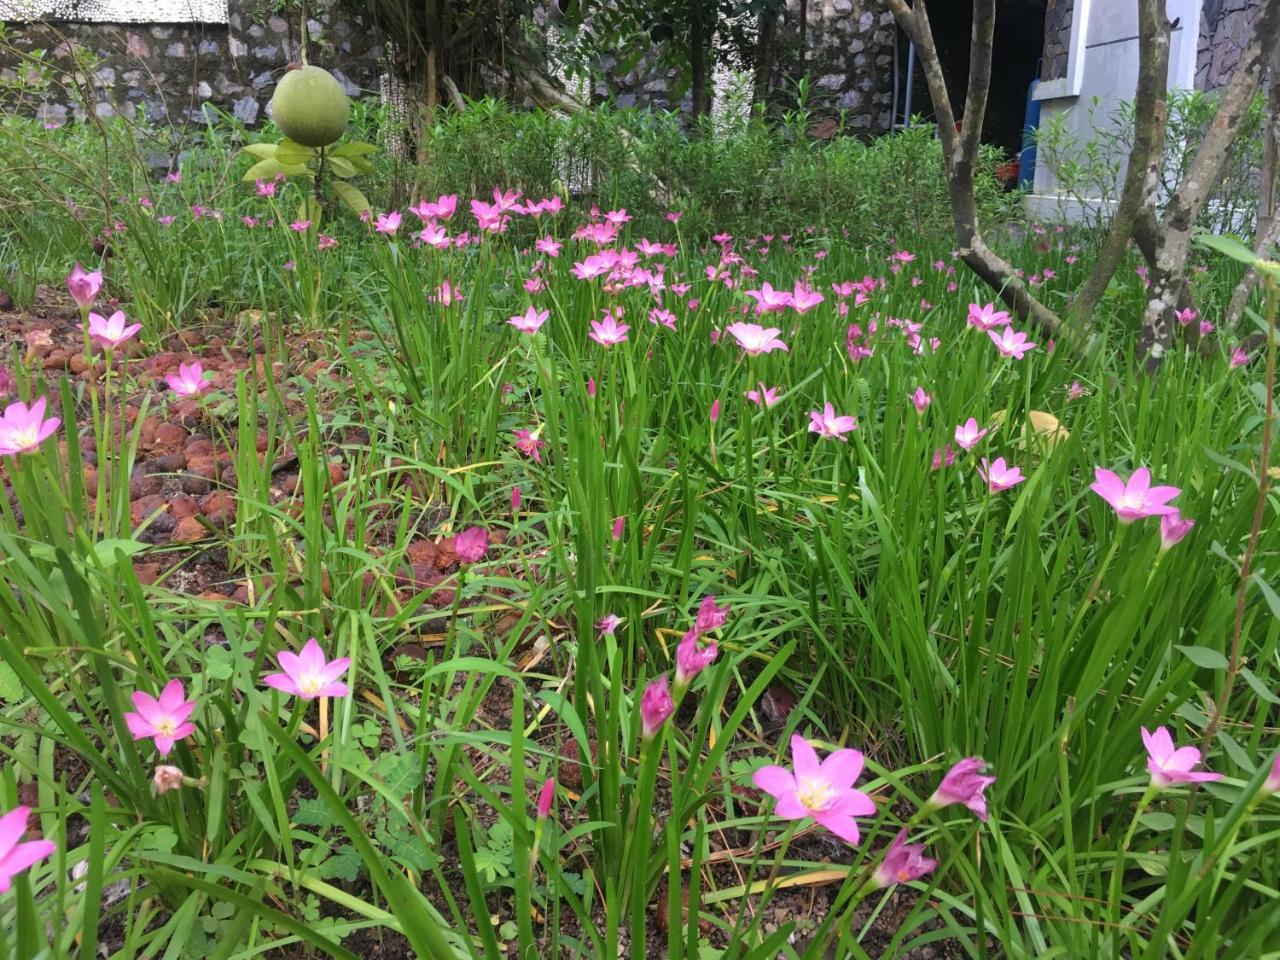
(144, 507)
(170, 463)
(170, 435)
(188, 530)
(219, 507)
(194, 484)
(183, 506)
(143, 485)
(337, 473)
(147, 573)
(56, 360)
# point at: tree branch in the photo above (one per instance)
(1142, 177)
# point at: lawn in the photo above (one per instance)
(505, 573)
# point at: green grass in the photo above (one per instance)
(914, 616)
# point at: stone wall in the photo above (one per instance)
(1224, 30)
(849, 58)
(1057, 39)
(170, 70)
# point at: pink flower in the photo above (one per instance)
(1187, 316)
(902, 862)
(308, 675)
(803, 299)
(661, 317)
(920, 400)
(692, 658)
(435, 236)
(23, 428)
(608, 331)
(822, 790)
(16, 856)
(769, 300)
(1075, 391)
(968, 434)
(300, 226)
(943, 457)
(165, 779)
(1169, 764)
(1135, 498)
(188, 381)
(710, 616)
(548, 245)
(655, 707)
(715, 410)
(826, 424)
(84, 286)
(531, 321)
(442, 209)
(674, 215)
(471, 544)
(755, 339)
(1206, 327)
(987, 318)
(999, 475)
(1011, 343)
(325, 242)
(618, 524)
(963, 784)
(113, 331)
(607, 624)
(529, 444)
(266, 188)
(447, 294)
(163, 720)
(546, 797)
(1239, 357)
(1272, 783)
(765, 397)
(515, 499)
(173, 176)
(1173, 527)
(388, 223)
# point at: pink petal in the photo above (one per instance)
(842, 826)
(282, 681)
(774, 780)
(148, 707)
(12, 826)
(842, 768)
(138, 726)
(290, 663)
(853, 803)
(332, 671)
(804, 758)
(24, 855)
(790, 808)
(164, 745)
(171, 697)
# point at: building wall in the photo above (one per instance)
(1101, 70)
(170, 70)
(1224, 31)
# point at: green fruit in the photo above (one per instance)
(310, 107)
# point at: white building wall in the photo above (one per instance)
(1103, 72)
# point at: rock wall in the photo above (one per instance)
(170, 71)
(848, 56)
(1224, 30)
(1057, 39)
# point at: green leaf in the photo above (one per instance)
(269, 168)
(263, 151)
(289, 152)
(1204, 657)
(354, 148)
(1228, 247)
(350, 196)
(342, 167)
(10, 686)
(344, 865)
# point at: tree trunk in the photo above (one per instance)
(1267, 231)
(766, 51)
(1173, 241)
(960, 152)
(699, 68)
(1142, 178)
